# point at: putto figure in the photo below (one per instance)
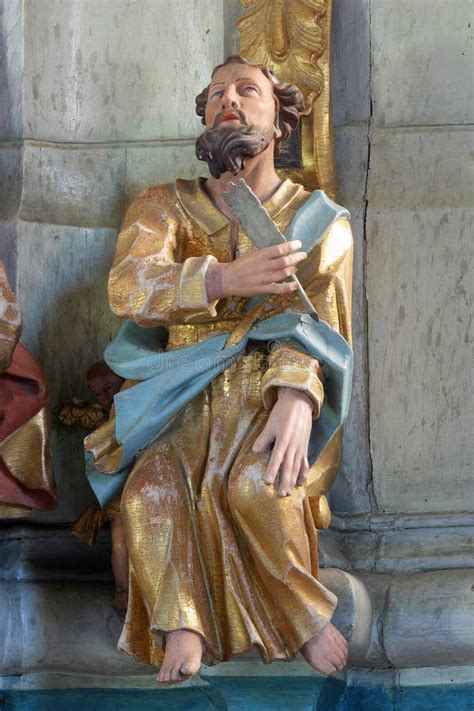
(221, 538)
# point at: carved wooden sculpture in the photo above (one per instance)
(293, 38)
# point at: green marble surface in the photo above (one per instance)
(248, 694)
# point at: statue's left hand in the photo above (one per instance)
(288, 428)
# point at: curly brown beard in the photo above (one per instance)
(227, 150)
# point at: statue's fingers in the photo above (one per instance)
(296, 470)
(287, 261)
(274, 276)
(175, 673)
(282, 249)
(274, 464)
(268, 287)
(343, 643)
(283, 273)
(264, 439)
(284, 287)
(303, 472)
(340, 644)
(286, 473)
(339, 655)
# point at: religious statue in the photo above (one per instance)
(26, 476)
(230, 398)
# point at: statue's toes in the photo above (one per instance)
(189, 669)
(176, 674)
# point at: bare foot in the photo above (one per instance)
(183, 654)
(327, 651)
(120, 600)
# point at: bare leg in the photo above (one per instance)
(182, 659)
(119, 562)
(326, 652)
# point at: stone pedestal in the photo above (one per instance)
(58, 628)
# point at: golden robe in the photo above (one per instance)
(212, 548)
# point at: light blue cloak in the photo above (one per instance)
(171, 379)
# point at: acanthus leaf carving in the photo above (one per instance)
(286, 35)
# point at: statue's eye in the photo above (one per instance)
(216, 94)
(250, 89)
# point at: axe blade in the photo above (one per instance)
(251, 214)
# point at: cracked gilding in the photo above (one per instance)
(212, 548)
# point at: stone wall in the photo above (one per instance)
(403, 110)
(96, 104)
(419, 243)
(352, 492)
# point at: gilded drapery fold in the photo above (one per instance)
(10, 321)
(170, 236)
(148, 281)
(221, 554)
(26, 476)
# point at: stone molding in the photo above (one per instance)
(401, 620)
(377, 523)
(401, 543)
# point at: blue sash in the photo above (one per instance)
(171, 379)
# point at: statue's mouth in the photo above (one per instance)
(230, 116)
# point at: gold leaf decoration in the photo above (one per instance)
(293, 38)
(286, 36)
(81, 414)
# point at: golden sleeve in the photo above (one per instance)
(148, 283)
(10, 321)
(326, 276)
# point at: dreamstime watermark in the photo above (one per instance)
(159, 363)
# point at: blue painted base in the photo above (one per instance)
(247, 694)
(106, 700)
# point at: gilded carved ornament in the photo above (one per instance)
(293, 38)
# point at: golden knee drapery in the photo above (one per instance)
(220, 552)
(212, 548)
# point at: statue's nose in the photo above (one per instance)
(230, 100)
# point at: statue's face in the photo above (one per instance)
(240, 119)
(104, 387)
(241, 95)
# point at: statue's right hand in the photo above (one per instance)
(260, 271)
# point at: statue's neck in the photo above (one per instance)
(260, 175)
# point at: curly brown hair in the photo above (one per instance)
(289, 99)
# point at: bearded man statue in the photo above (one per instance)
(221, 538)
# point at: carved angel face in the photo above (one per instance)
(241, 95)
(104, 387)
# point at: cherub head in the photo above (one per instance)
(103, 384)
(246, 110)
